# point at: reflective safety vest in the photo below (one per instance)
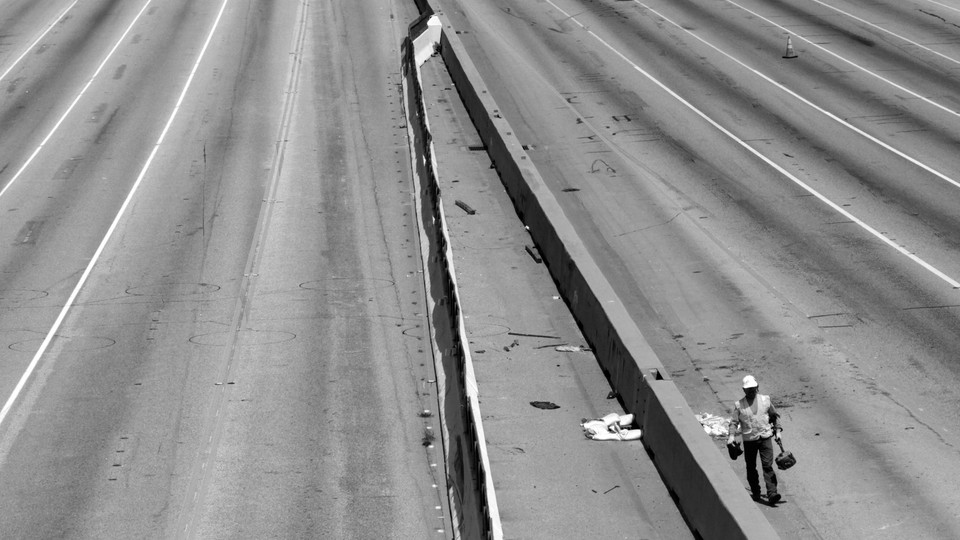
(754, 426)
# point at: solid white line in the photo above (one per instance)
(113, 226)
(952, 282)
(852, 63)
(819, 109)
(943, 5)
(75, 101)
(882, 29)
(34, 44)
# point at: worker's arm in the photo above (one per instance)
(733, 426)
(775, 420)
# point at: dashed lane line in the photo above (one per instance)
(86, 273)
(836, 207)
(41, 36)
(51, 334)
(804, 100)
(884, 30)
(900, 87)
(73, 104)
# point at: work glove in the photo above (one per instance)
(776, 434)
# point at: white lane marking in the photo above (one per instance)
(109, 234)
(75, 101)
(943, 5)
(819, 109)
(927, 266)
(850, 62)
(34, 44)
(882, 29)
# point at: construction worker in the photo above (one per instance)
(757, 421)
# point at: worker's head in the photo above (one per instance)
(750, 386)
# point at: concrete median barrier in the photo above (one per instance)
(707, 491)
(473, 502)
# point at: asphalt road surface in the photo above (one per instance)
(794, 218)
(211, 319)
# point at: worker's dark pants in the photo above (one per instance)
(764, 447)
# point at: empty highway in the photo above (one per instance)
(210, 296)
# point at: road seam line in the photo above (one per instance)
(189, 518)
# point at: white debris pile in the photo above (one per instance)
(612, 427)
(715, 426)
(569, 348)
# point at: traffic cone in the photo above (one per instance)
(790, 51)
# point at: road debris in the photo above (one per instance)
(466, 207)
(715, 426)
(612, 427)
(545, 405)
(572, 348)
(532, 335)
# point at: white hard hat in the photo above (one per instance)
(749, 382)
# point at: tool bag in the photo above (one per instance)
(785, 460)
